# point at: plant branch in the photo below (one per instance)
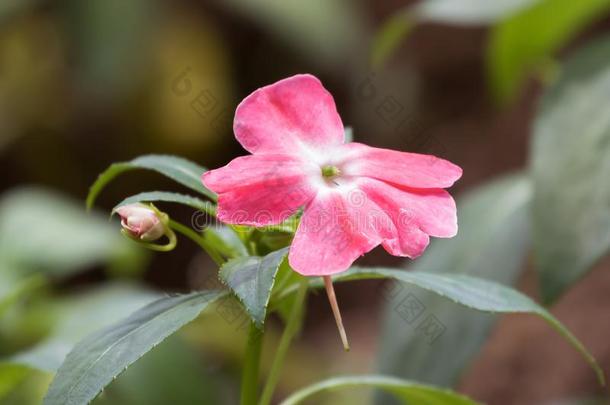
(198, 239)
(292, 328)
(249, 382)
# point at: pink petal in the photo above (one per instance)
(293, 116)
(334, 231)
(252, 170)
(415, 214)
(260, 190)
(403, 168)
(411, 243)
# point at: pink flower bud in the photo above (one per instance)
(141, 222)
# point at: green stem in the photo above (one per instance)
(292, 328)
(249, 381)
(169, 246)
(198, 239)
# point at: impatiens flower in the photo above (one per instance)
(354, 197)
(141, 222)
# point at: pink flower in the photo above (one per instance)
(354, 197)
(141, 222)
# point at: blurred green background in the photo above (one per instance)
(87, 83)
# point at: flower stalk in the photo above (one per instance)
(198, 239)
(250, 374)
(332, 298)
(292, 328)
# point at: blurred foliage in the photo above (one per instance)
(77, 316)
(46, 237)
(469, 12)
(524, 38)
(527, 42)
(42, 231)
(327, 32)
(456, 12)
(571, 163)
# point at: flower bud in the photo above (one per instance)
(141, 222)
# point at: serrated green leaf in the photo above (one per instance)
(165, 196)
(493, 240)
(474, 293)
(102, 356)
(571, 163)
(178, 169)
(527, 41)
(408, 391)
(251, 279)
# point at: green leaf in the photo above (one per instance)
(527, 41)
(102, 356)
(165, 196)
(178, 169)
(492, 243)
(478, 294)
(252, 279)
(225, 240)
(408, 391)
(474, 293)
(43, 231)
(571, 163)
(286, 279)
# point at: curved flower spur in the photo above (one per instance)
(354, 197)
